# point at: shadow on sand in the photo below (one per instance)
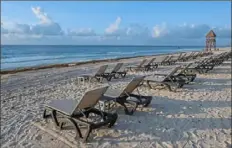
(221, 70)
(204, 84)
(170, 128)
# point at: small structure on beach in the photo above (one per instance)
(210, 42)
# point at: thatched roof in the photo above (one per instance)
(211, 34)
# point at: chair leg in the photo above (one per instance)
(192, 78)
(109, 77)
(180, 85)
(144, 100)
(135, 104)
(89, 130)
(45, 116)
(54, 118)
(199, 70)
(168, 86)
(101, 79)
(114, 119)
(156, 66)
(148, 101)
(124, 75)
(148, 84)
(77, 129)
(122, 102)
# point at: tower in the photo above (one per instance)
(210, 42)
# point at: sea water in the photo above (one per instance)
(20, 56)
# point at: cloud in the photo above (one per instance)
(133, 30)
(159, 30)
(21, 29)
(46, 25)
(188, 31)
(47, 31)
(114, 27)
(41, 15)
(137, 30)
(82, 32)
(15, 28)
(223, 32)
(4, 31)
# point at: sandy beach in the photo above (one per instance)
(197, 115)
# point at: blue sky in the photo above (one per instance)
(114, 22)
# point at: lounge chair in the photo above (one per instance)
(220, 58)
(228, 55)
(137, 67)
(98, 75)
(125, 96)
(78, 113)
(117, 72)
(182, 73)
(193, 55)
(147, 66)
(165, 60)
(160, 60)
(150, 65)
(171, 60)
(179, 57)
(204, 53)
(182, 57)
(201, 54)
(196, 55)
(165, 79)
(174, 59)
(188, 56)
(204, 65)
(207, 53)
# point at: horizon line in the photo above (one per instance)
(109, 45)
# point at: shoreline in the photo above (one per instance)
(72, 64)
(63, 65)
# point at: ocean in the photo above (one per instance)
(21, 56)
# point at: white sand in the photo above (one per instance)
(198, 115)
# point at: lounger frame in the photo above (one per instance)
(78, 113)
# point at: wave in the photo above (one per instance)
(16, 58)
(42, 58)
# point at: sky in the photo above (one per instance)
(114, 23)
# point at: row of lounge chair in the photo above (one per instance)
(85, 112)
(178, 76)
(207, 64)
(193, 55)
(166, 60)
(101, 73)
(144, 65)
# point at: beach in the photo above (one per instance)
(197, 115)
